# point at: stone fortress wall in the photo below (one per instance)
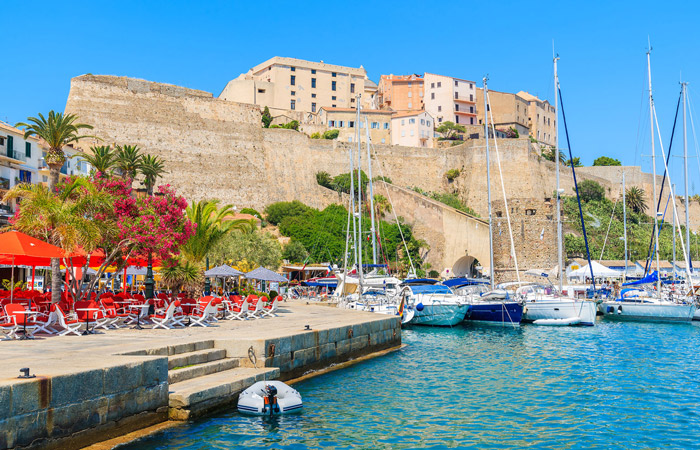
(217, 149)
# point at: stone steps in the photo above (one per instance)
(200, 370)
(195, 357)
(198, 395)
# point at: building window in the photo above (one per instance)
(333, 106)
(456, 119)
(471, 109)
(439, 108)
(427, 123)
(352, 100)
(456, 107)
(432, 85)
(456, 95)
(293, 104)
(403, 122)
(422, 121)
(28, 149)
(294, 92)
(420, 93)
(456, 83)
(332, 85)
(349, 138)
(261, 91)
(333, 74)
(403, 133)
(331, 123)
(410, 105)
(383, 141)
(341, 124)
(313, 95)
(439, 84)
(333, 98)
(386, 125)
(439, 119)
(292, 80)
(352, 88)
(313, 107)
(375, 125)
(313, 71)
(411, 121)
(351, 124)
(313, 83)
(293, 69)
(471, 121)
(410, 94)
(432, 96)
(471, 85)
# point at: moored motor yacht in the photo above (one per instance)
(432, 303)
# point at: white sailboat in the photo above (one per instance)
(432, 304)
(545, 305)
(641, 302)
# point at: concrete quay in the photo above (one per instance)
(92, 388)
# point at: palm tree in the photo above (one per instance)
(179, 274)
(57, 130)
(66, 218)
(381, 205)
(152, 168)
(211, 227)
(634, 198)
(129, 160)
(103, 159)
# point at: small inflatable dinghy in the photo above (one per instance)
(269, 398)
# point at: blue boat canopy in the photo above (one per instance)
(320, 283)
(374, 265)
(412, 281)
(430, 289)
(464, 282)
(651, 278)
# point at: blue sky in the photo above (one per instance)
(204, 44)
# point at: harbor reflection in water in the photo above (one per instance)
(613, 385)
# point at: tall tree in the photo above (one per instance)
(57, 130)
(103, 159)
(152, 168)
(211, 227)
(266, 118)
(606, 161)
(450, 130)
(129, 160)
(634, 198)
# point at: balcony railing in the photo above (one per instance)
(16, 155)
(465, 100)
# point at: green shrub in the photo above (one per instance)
(331, 134)
(294, 252)
(452, 174)
(324, 179)
(606, 161)
(266, 118)
(590, 191)
(276, 212)
(315, 135)
(433, 274)
(341, 183)
(382, 178)
(252, 212)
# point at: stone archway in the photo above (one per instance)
(463, 267)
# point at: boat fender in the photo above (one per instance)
(524, 309)
(619, 309)
(611, 309)
(419, 307)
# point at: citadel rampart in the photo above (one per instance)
(217, 149)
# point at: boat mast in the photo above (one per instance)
(359, 197)
(560, 258)
(371, 198)
(689, 261)
(674, 237)
(653, 172)
(488, 181)
(624, 222)
(352, 195)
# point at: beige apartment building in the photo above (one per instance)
(401, 92)
(542, 119)
(345, 120)
(450, 99)
(412, 129)
(508, 111)
(290, 84)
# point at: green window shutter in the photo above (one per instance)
(10, 145)
(28, 149)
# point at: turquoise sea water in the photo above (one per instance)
(615, 385)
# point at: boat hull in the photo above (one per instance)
(496, 313)
(445, 315)
(649, 312)
(252, 400)
(560, 309)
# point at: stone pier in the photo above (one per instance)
(92, 388)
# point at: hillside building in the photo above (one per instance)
(401, 93)
(412, 129)
(508, 111)
(450, 99)
(542, 119)
(290, 84)
(345, 120)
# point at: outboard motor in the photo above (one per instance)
(271, 400)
